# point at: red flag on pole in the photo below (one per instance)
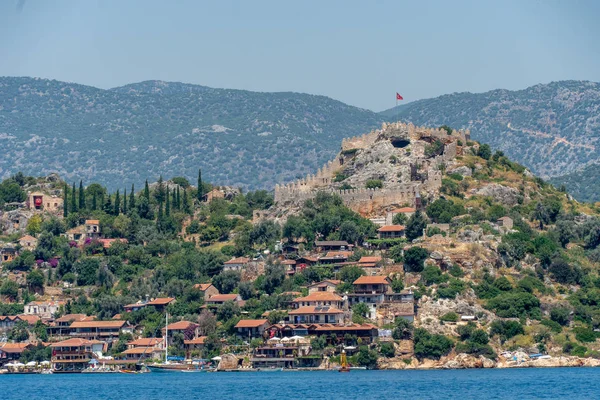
(398, 97)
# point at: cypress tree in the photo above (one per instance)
(73, 199)
(65, 201)
(184, 202)
(81, 196)
(200, 189)
(94, 202)
(174, 200)
(132, 198)
(125, 201)
(178, 199)
(108, 208)
(147, 192)
(159, 217)
(117, 203)
(168, 206)
(159, 193)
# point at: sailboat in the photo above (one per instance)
(168, 366)
(344, 362)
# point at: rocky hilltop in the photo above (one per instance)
(553, 129)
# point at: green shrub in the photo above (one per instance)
(560, 315)
(584, 335)
(449, 317)
(554, 326)
(456, 271)
(387, 350)
(515, 305)
(451, 289)
(374, 184)
(433, 346)
(506, 329)
(433, 275)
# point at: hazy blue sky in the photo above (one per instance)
(357, 52)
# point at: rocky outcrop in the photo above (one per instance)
(503, 194)
(463, 171)
(228, 361)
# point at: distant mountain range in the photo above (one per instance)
(139, 131)
(553, 129)
(255, 140)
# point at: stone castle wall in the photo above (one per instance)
(353, 198)
(359, 199)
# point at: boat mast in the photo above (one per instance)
(166, 336)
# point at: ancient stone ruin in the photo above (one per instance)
(399, 162)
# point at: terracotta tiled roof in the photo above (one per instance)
(350, 327)
(27, 238)
(161, 301)
(404, 210)
(74, 317)
(316, 310)
(30, 319)
(369, 260)
(92, 222)
(145, 342)
(372, 280)
(391, 228)
(198, 340)
(326, 282)
(75, 342)
(223, 298)
(291, 294)
(106, 243)
(97, 324)
(239, 260)
(202, 286)
(141, 350)
(251, 323)
(319, 296)
(13, 348)
(340, 254)
(181, 326)
(288, 262)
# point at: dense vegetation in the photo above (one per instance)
(239, 138)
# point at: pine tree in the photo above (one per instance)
(94, 202)
(184, 202)
(178, 199)
(168, 206)
(117, 203)
(415, 225)
(65, 201)
(147, 192)
(132, 198)
(125, 201)
(73, 200)
(200, 188)
(81, 196)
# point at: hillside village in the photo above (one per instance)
(413, 248)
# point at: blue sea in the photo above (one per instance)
(554, 383)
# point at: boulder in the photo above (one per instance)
(463, 171)
(228, 361)
(503, 194)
